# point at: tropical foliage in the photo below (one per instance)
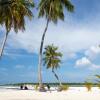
(88, 85)
(52, 10)
(12, 15)
(98, 80)
(52, 59)
(63, 88)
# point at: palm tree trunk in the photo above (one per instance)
(40, 55)
(56, 77)
(3, 44)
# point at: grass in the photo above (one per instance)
(88, 85)
(98, 85)
(64, 87)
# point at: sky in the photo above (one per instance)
(78, 38)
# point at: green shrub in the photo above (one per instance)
(63, 88)
(98, 80)
(88, 85)
(98, 85)
(36, 87)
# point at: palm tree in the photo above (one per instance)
(12, 15)
(52, 59)
(98, 80)
(53, 10)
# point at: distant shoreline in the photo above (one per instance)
(52, 84)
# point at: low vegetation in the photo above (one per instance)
(98, 80)
(64, 87)
(88, 85)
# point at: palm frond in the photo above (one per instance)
(13, 13)
(54, 9)
(98, 76)
(52, 58)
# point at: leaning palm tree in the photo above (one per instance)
(98, 78)
(12, 15)
(52, 59)
(53, 10)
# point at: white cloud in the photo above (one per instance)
(71, 35)
(83, 62)
(95, 66)
(71, 55)
(69, 41)
(86, 63)
(90, 59)
(93, 52)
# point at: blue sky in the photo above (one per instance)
(77, 37)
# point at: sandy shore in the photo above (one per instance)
(74, 93)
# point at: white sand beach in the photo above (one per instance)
(74, 93)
